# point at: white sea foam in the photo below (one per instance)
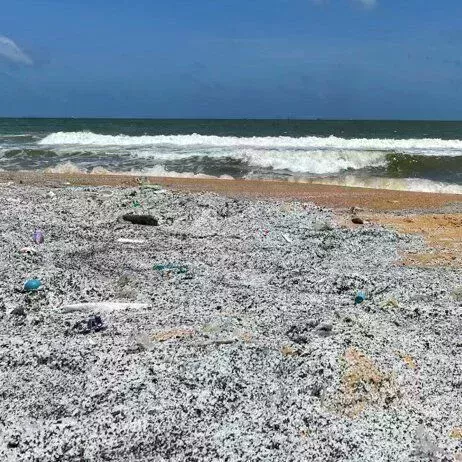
(429, 146)
(310, 154)
(158, 171)
(396, 184)
(316, 161)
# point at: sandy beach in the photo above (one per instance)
(229, 330)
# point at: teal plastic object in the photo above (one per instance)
(360, 297)
(171, 267)
(31, 285)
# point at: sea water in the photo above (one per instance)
(420, 155)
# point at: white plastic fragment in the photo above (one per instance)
(131, 241)
(29, 250)
(103, 307)
(287, 238)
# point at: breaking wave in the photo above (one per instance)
(312, 154)
(395, 184)
(417, 164)
(431, 146)
(158, 171)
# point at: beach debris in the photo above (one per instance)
(171, 267)
(318, 389)
(123, 240)
(32, 285)
(217, 342)
(363, 383)
(456, 433)
(391, 302)
(136, 204)
(142, 342)
(299, 333)
(38, 237)
(28, 250)
(290, 351)
(154, 187)
(360, 297)
(425, 444)
(172, 334)
(457, 294)
(94, 323)
(323, 226)
(324, 329)
(19, 311)
(146, 220)
(51, 195)
(102, 307)
(408, 360)
(357, 221)
(287, 238)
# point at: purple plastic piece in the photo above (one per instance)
(38, 237)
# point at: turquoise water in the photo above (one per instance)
(422, 155)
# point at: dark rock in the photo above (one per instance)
(146, 220)
(312, 323)
(19, 311)
(13, 443)
(93, 324)
(300, 339)
(317, 390)
(357, 221)
(324, 329)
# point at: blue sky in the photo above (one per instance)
(240, 58)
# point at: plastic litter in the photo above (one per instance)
(131, 241)
(360, 297)
(38, 237)
(287, 238)
(103, 307)
(357, 221)
(146, 220)
(94, 323)
(171, 267)
(19, 311)
(29, 250)
(136, 204)
(390, 302)
(32, 285)
(155, 187)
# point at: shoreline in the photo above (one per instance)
(335, 197)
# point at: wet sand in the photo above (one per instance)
(337, 197)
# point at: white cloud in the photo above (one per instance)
(11, 51)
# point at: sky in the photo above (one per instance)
(353, 59)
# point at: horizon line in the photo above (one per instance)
(301, 119)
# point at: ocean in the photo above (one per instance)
(405, 155)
